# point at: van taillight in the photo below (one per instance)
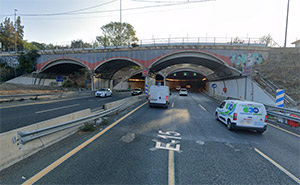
(167, 98)
(149, 97)
(266, 118)
(234, 116)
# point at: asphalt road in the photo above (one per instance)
(180, 145)
(26, 113)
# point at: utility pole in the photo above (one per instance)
(120, 22)
(287, 20)
(16, 30)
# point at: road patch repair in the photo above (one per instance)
(14, 148)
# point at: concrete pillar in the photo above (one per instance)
(92, 75)
(111, 84)
(146, 84)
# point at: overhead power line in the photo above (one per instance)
(67, 12)
(76, 12)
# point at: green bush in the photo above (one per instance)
(88, 127)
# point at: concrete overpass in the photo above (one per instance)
(213, 62)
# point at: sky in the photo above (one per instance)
(222, 19)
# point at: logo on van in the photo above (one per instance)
(251, 109)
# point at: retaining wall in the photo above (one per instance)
(242, 88)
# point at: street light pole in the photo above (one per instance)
(16, 30)
(120, 22)
(287, 19)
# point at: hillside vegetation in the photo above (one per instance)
(283, 69)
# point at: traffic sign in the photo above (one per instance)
(145, 73)
(214, 85)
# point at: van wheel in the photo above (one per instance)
(229, 125)
(216, 116)
(260, 131)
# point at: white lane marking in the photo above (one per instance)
(173, 105)
(48, 110)
(202, 107)
(278, 166)
(174, 146)
(168, 137)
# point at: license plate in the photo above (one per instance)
(245, 123)
(153, 99)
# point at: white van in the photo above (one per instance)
(242, 114)
(159, 96)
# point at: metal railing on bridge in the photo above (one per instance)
(176, 41)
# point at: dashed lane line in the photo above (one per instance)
(202, 107)
(58, 108)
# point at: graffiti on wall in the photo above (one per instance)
(11, 61)
(246, 59)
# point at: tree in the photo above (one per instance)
(29, 46)
(27, 62)
(40, 46)
(268, 40)
(237, 40)
(116, 34)
(7, 34)
(19, 34)
(80, 44)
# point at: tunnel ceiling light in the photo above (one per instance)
(195, 74)
(174, 74)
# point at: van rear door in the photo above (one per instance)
(158, 97)
(251, 115)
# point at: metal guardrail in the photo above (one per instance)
(25, 137)
(271, 110)
(284, 116)
(271, 88)
(283, 113)
(292, 111)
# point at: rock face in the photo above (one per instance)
(283, 69)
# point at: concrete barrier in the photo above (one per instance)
(11, 151)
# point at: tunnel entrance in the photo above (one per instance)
(193, 81)
(136, 81)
